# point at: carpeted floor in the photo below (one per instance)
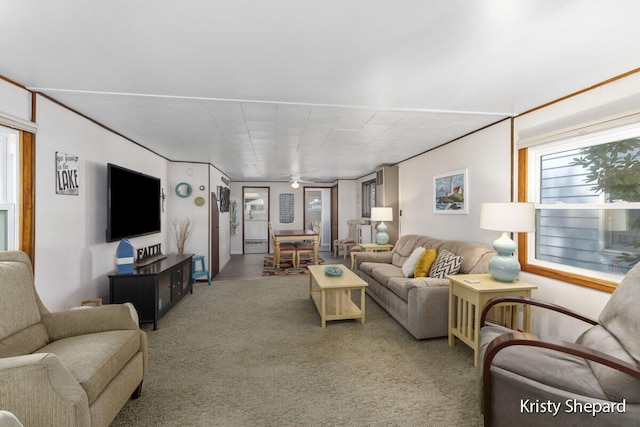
(252, 353)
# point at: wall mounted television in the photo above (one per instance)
(134, 203)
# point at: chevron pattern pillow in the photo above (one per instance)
(445, 263)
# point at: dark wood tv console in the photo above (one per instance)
(153, 289)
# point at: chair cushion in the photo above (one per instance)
(548, 367)
(615, 384)
(95, 359)
(356, 248)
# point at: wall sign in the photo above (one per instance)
(67, 180)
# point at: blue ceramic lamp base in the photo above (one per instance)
(382, 238)
(504, 267)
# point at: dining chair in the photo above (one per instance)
(304, 248)
(287, 249)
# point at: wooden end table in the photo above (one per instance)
(370, 247)
(468, 293)
(332, 296)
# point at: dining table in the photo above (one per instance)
(280, 236)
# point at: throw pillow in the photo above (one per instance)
(410, 263)
(445, 263)
(424, 263)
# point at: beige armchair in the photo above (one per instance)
(68, 368)
(594, 381)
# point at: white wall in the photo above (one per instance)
(72, 257)
(180, 208)
(348, 196)
(15, 101)
(486, 156)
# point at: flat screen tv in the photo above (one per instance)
(133, 207)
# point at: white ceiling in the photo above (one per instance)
(325, 89)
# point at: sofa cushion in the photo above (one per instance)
(425, 262)
(410, 263)
(383, 272)
(614, 383)
(95, 359)
(403, 249)
(445, 263)
(398, 285)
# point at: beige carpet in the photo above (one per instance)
(252, 353)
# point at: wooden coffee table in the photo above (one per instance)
(332, 295)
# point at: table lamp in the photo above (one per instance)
(506, 217)
(382, 214)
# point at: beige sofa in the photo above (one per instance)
(69, 368)
(421, 304)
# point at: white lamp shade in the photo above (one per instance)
(512, 217)
(381, 214)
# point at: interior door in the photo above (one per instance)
(214, 259)
(255, 215)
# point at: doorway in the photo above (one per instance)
(317, 207)
(255, 217)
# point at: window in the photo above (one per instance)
(587, 194)
(8, 188)
(368, 197)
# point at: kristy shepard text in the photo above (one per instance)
(571, 406)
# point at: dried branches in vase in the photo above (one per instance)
(181, 232)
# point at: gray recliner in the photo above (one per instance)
(529, 380)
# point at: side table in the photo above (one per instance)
(468, 293)
(370, 247)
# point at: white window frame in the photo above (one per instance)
(8, 196)
(535, 155)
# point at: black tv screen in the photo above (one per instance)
(133, 207)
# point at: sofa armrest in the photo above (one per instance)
(383, 257)
(37, 386)
(69, 323)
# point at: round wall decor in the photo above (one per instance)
(199, 201)
(183, 189)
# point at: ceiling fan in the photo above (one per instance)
(296, 180)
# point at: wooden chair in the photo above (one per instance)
(287, 249)
(304, 249)
(349, 241)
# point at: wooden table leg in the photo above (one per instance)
(362, 302)
(323, 307)
(315, 249)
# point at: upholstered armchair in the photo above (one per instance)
(67, 368)
(529, 380)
